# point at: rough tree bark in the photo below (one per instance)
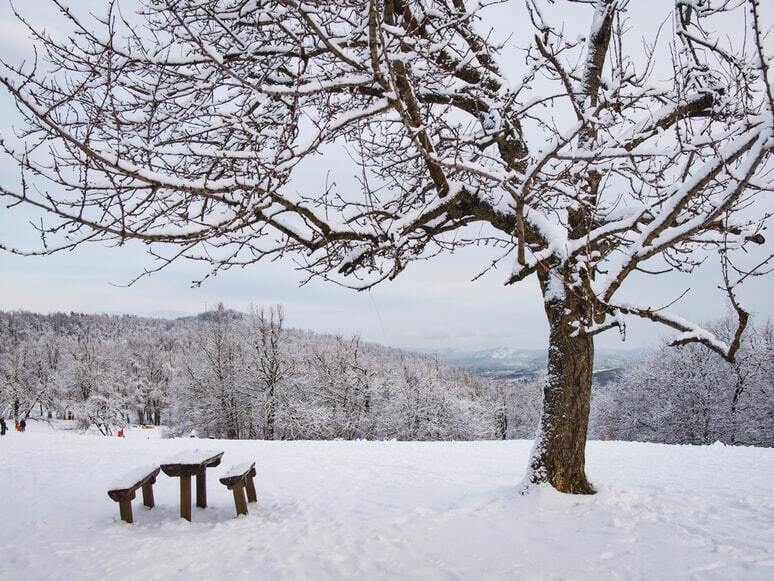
(558, 456)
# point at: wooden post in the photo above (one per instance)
(185, 497)
(239, 498)
(125, 507)
(250, 485)
(201, 488)
(147, 494)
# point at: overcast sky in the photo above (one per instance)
(432, 305)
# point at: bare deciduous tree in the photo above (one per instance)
(216, 375)
(186, 133)
(271, 364)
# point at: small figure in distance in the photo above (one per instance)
(3, 427)
(23, 424)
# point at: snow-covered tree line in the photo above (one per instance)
(231, 375)
(225, 374)
(688, 396)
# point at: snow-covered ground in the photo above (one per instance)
(386, 510)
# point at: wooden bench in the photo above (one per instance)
(123, 489)
(239, 478)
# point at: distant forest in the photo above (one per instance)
(232, 375)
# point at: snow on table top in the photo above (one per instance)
(238, 469)
(192, 456)
(132, 477)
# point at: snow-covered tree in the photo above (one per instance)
(340, 377)
(419, 399)
(186, 128)
(523, 403)
(688, 396)
(150, 368)
(214, 397)
(271, 362)
(94, 387)
(29, 373)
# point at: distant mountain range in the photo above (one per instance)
(510, 363)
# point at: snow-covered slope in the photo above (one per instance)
(387, 510)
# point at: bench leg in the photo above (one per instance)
(147, 495)
(250, 485)
(201, 488)
(239, 498)
(185, 497)
(125, 508)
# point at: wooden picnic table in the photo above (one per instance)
(191, 463)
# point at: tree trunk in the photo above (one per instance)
(558, 457)
(268, 430)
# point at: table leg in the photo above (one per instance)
(185, 497)
(201, 488)
(250, 485)
(147, 494)
(239, 498)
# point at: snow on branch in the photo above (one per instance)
(188, 126)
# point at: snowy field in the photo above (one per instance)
(386, 510)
